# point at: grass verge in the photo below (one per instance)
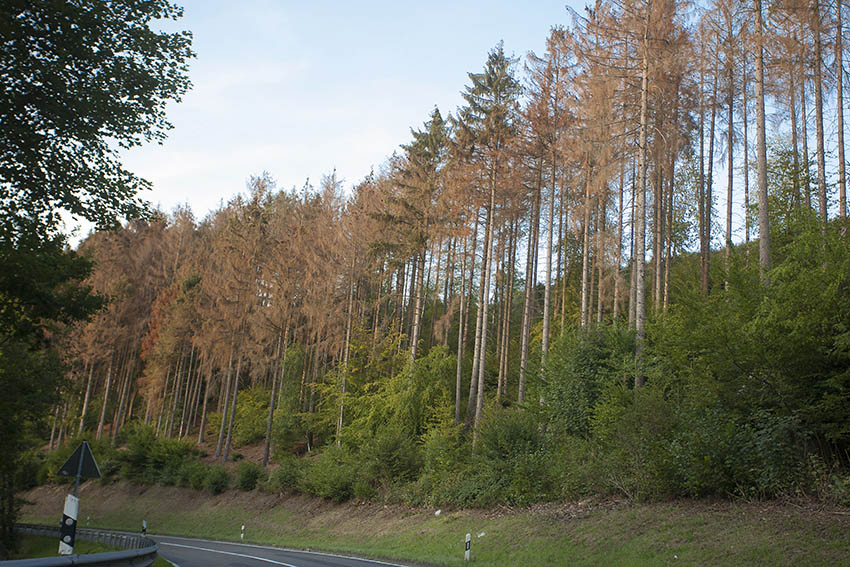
(585, 533)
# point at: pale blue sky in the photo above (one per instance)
(300, 88)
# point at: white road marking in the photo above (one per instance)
(290, 550)
(245, 555)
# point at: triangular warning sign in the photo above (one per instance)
(89, 467)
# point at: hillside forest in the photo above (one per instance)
(621, 267)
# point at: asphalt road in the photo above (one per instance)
(187, 552)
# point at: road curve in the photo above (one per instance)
(189, 552)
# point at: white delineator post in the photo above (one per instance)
(242, 535)
(468, 544)
(68, 530)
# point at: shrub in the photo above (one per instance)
(395, 456)
(192, 474)
(217, 479)
(247, 475)
(332, 474)
(286, 478)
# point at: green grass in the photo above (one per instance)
(675, 533)
(33, 546)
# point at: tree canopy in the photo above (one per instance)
(81, 79)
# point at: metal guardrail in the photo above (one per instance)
(137, 550)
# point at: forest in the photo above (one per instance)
(621, 267)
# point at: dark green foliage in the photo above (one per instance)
(192, 474)
(217, 480)
(247, 475)
(286, 478)
(149, 459)
(101, 77)
(580, 366)
(332, 474)
(252, 413)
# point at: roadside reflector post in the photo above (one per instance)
(468, 544)
(68, 529)
(242, 536)
(80, 464)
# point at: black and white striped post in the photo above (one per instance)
(68, 529)
(468, 545)
(80, 464)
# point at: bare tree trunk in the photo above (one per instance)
(819, 115)
(203, 425)
(86, 398)
(547, 296)
(747, 151)
(839, 105)
(231, 420)
(640, 243)
(102, 419)
(804, 123)
(600, 254)
(486, 280)
(632, 263)
(283, 343)
(709, 191)
(348, 325)
(618, 276)
(795, 182)
(764, 226)
(585, 258)
(418, 307)
(730, 170)
(530, 282)
(461, 328)
(187, 391)
(226, 386)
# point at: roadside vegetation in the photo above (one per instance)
(591, 532)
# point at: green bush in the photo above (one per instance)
(149, 459)
(252, 414)
(394, 456)
(332, 474)
(247, 475)
(286, 478)
(192, 474)
(217, 479)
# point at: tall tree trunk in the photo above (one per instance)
(819, 115)
(632, 263)
(701, 185)
(226, 386)
(282, 343)
(839, 105)
(600, 255)
(547, 296)
(795, 182)
(418, 307)
(203, 426)
(348, 325)
(804, 123)
(102, 419)
(585, 257)
(747, 151)
(530, 282)
(226, 454)
(86, 398)
(485, 292)
(709, 191)
(730, 170)
(618, 276)
(764, 226)
(461, 328)
(640, 242)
